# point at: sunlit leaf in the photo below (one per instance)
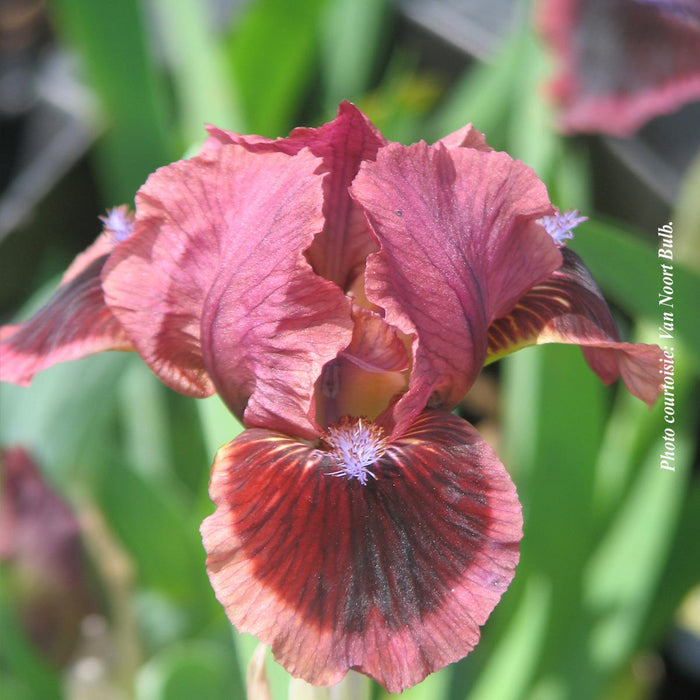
(272, 49)
(114, 49)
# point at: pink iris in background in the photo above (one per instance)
(341, 293)
(43, 560)
(621, 62)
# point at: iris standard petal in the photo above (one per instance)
(569, 308)
(459, 244)
(392, 577)
(466, 137)
(214, 288)
(75, 322)
(338, 253)
(621, 62)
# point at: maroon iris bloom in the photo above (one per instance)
(341, 294)
(621, 62)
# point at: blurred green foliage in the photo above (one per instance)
(611, 541)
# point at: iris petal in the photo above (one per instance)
(569, 308)
(621, 62)
(459, 245)
(375, 345)
(74, 323)
(338, 253)
(392, 577)
(216, 292)
(466, 137)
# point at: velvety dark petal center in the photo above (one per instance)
(391, 575)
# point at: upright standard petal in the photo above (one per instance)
(338, 253)
(466, 137)
(622, 62)
(459, 244)
(75, 322)
(569, 308)
(216, 292)
(391, 576)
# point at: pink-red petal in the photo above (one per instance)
(75, 322)
(339, 251)
(621, 62)
(569, 308)
(392, 578)
(375, 345)
(466, 137)
(214, 288)
(459, 245)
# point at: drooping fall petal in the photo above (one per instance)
(459, 245)
(75, 322)
(622, 62)
(216, 292)
(569, 308)
(392, 577)
(339, 252)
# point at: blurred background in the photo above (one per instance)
(103, 590)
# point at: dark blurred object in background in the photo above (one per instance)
(42, 557)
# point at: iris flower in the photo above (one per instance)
(621, 62)
(341, 293)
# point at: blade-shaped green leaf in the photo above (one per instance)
(204, 88)
(111, 40)
(272, 50)
(350, 40)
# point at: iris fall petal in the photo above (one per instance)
(569, 308)
(74, 323)
(392, 578)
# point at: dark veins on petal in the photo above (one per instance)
(570, 292)
(337, 550)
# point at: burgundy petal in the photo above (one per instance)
(339, 252)
(215, 291)
(74, 323)
(621, 62)
(569, 308)
(392, 578)
(459, 245)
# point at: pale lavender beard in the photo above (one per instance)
(560, 226)
(119, 222)
(684, 10)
